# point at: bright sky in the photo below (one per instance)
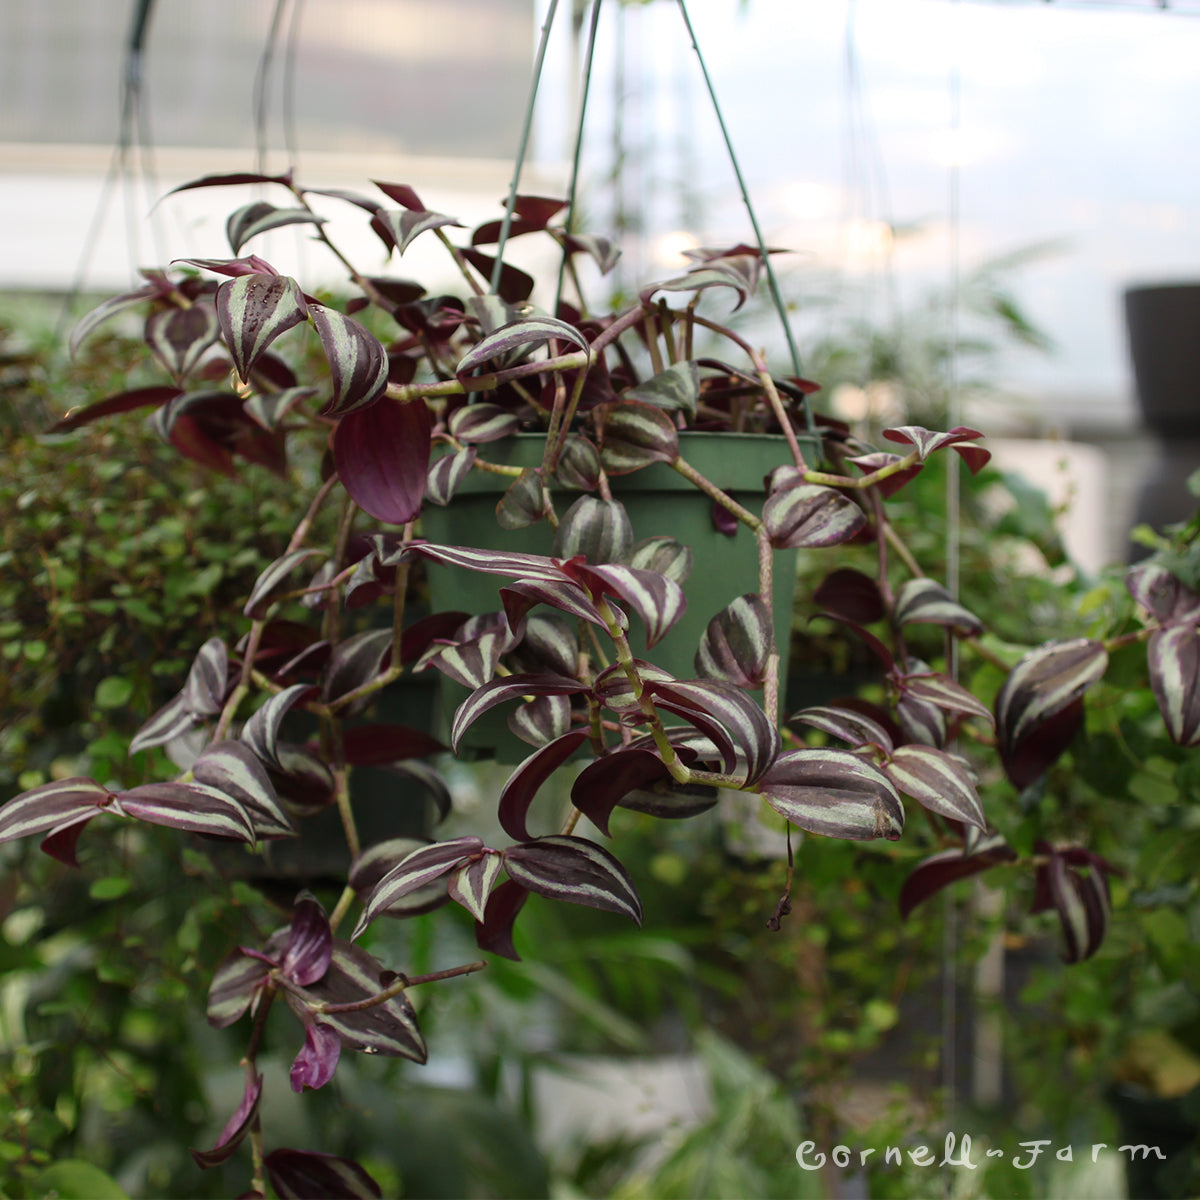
(1076, 124)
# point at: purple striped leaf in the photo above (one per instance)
(253, 310)
(406, 224)
(836, 793)
(234, 769)
(258, 217)
(358, 363)
(634, 435)
(739, 728)
(737, 643)
(273, 581)
(518, 598)
(233, 267)
(417, 871)
(239, 177)
(663, 555)
(1173, 656)
(613, 689)
(920, 721)
(235, 1129)
(937, 780)
(941, 691)
(598, 529)
(739, 272)
(381, 453)
(494, 934)
(676, 389)
(523, 503)
(1081, 901)
(270, 408)
(475, 424)
(527, 779)
(510, 687)
(925, 601)
(173, 720)
(208, 679)
(51, 807)
(1162, 595)
(927, 442)
(1043, 683)
(523, 334)
(237, 980)
(870, 463)
(106, 310)
(191, 807)
(389, 1027)
(808, 516)
(178, 337)
(261, 731)
(447, 474)
(470, 663)
(488, 562)
(606, 782)
(933, 874)
(576, 871)
(301, 1174)
(303, 780)
(850, 726)
(354, 662)
(553, 641)
(659, 601)
(472, 883)
(541, 720)
(375, 862)
(578, 464)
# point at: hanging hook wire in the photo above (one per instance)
(522, 147)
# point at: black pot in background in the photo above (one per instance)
(1163, 324)
(1168, 1125)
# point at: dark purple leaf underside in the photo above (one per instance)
(382, 457)
(604, 783)
(525, 781)
(940, 870)
(122, 402)
(235, 1129)
(852, 595)
(494, 934)
(309, 948)
(303, 1175)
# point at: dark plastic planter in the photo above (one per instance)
(660, 502)
(1163, 324)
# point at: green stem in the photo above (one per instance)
(710, 489)
(776, 298)
(522, 146)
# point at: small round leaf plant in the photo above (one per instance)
(404, 419)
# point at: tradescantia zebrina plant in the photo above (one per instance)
(403, 418)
